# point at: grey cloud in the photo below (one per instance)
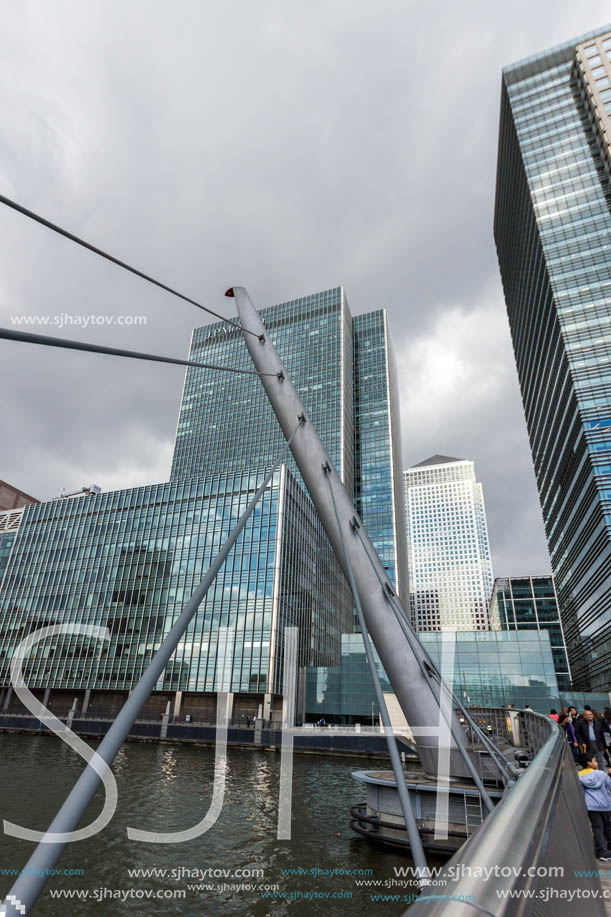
(287, 147)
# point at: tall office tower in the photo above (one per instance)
(447, 546)
(343, 369)
(552, 228)
(378, 486)
(530, 603)
(226, 422)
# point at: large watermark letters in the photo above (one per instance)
(64, 733)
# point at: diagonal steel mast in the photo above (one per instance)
(406, 665)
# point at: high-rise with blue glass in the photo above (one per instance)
(552, 228)
(128, 560)
(344, 370)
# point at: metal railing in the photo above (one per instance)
(504, 869)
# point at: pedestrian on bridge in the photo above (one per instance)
(596, 785)
(566, 722)
(590, 734)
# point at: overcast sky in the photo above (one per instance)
(289, 147)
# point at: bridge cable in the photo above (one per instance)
(98, 251)
(34, 876)
(27, 337)
(422, 871)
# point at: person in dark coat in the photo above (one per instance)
(564, 720)
(591, 734)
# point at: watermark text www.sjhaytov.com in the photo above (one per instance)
(81, 321)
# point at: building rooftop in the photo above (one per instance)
(537, 63)
(438, 460)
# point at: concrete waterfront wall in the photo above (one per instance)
(320, 742)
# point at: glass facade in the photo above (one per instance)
(6, 543)
(377, 444)
(447, 543)
(552, 230)
(344, 371)
(494, 668)
(530, 603)
(344, 693)
(489, 668)
(129, 560)
(226, 422)
(9, 525)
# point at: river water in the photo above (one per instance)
(165, 788)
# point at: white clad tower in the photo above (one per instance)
(449, 566)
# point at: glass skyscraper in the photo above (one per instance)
(449, 562)
(344, 371)
(553, 233)
(226, 422)
(377, 444)
(129, 560)
(530, 603)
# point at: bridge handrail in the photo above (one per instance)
(541, 822)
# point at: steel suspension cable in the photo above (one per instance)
(28, 337)
(98, 251)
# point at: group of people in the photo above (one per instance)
(589, 737)
(587, 733)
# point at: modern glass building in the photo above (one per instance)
(344, 693)
(484, 668)
(553, 231)
(129, 560)
(344, 371)
(377, 444)
(447, 546)
(531, 603)
(9, 524)
(494, 668)
(226, 422)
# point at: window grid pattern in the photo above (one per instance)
(128, 561)
(490, 668)
(448, 550)
(530, 603)
(377, 444)
(226, 422)
(553, 234)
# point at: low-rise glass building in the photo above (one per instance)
(485, 668)
(129, 560)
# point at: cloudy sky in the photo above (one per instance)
(286, 146)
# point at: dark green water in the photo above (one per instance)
(168, 788)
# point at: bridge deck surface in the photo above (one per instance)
(606, 884)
